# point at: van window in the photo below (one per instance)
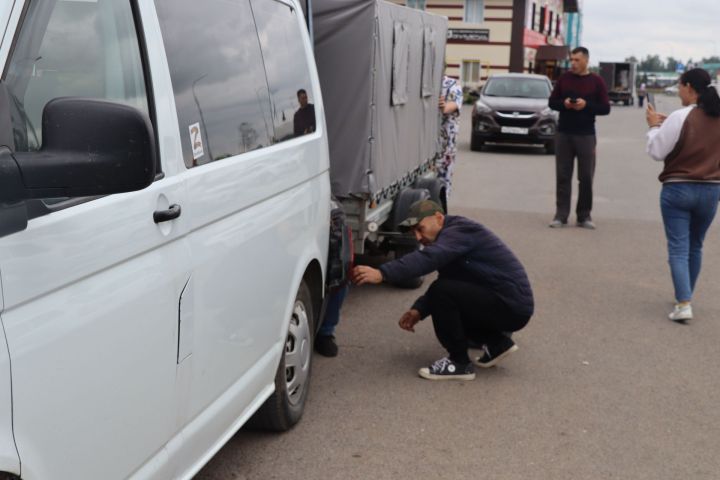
(72, 48)
(221, 95)
(288, 77)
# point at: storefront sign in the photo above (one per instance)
(469, 34)
(533, 39)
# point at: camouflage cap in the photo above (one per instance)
(419, 210)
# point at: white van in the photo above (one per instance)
(164, 216)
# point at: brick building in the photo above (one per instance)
(495, 36)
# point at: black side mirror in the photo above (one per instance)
(474, 94)
(90, 147)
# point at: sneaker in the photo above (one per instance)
(586, 224)
(681, 313)
(492, 354)
(325, 345)
(556, 223)
(446, 369)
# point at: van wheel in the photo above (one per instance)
(410, 283)
(284, 408)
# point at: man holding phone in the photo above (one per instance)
(579, 96)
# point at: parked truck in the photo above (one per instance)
(380, 67)
(620, 80)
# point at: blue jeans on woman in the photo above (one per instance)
(688, 210)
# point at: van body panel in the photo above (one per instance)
(9, 460)
(110, 377)
(91, 322)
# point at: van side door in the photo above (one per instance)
(259, 188)
(92, 286)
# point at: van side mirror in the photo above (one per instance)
(474, 94)
(90, 147)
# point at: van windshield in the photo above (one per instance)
(517, 87)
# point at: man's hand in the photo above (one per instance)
(441, 103)
(362, 274)
(409, 319)
(653, 118)
(578, 104)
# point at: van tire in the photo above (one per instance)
(284, 408)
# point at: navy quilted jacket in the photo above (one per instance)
(466, 250)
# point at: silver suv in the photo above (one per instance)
(513, 108)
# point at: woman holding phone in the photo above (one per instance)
(688, 142)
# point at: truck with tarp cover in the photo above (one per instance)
(380, 67)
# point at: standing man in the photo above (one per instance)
(450, 102)
(481, 295)
(578, 95)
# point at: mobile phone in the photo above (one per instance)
(651, 99)
(573, 100)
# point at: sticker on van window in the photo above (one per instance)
(196, 141)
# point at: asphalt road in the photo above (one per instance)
(603, 386)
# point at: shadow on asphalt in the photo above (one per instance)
(511, 149)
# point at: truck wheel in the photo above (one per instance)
(411, 283)
(476, 143)
(402, 203)
(284, 408)
(437, 189)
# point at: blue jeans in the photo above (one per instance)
(688, 210)
(332, 311)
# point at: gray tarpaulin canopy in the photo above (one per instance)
(380, 68)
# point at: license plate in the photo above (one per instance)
(515, 130)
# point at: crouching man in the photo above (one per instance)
(481, 295)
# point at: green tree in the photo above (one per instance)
(652, 63)
(631, 58)
(671, 64)
(713, 59)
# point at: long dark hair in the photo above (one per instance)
(708, 99)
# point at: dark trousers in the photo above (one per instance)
(463, 311)
(567, 148)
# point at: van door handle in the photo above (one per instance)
(166, 215)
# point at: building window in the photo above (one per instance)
(542, 21)
(418, 4)
(532, 17)
(470, 72)
(474, 11)
(550, 24)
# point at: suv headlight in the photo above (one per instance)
(480, 107)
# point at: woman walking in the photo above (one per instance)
(688, 142)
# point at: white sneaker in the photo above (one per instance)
(681, 313)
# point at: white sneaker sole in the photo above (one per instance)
(680, 317)
(496, 360)
(425, 373)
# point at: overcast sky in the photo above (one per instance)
(616, 29)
